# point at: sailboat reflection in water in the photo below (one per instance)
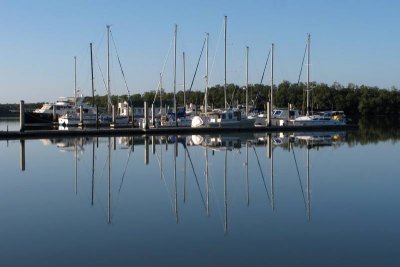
(209, 153)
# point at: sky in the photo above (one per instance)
(351, 42)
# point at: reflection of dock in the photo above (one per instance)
(43, 134)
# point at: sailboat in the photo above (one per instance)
(321, 119)
(73, 116)
(108, 118)
(227, 117)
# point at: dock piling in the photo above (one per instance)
(80, 117)
(22, 116)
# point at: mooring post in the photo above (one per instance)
(112, 125)
(22, 116)
(133, 116)
(146, 119)
(268, 121)
(80, 116)
(152, 116)
(54, 115)
(97, 116)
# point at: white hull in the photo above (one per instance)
(317, 121)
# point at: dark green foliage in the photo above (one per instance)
(355, 101)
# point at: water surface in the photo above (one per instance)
(322, 199)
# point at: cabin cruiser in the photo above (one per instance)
(44, 114)
(72, 118)
(279, 117)
(327, 118)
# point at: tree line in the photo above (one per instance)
(355, 101)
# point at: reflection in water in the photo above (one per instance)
(225, 144)
(219, 192)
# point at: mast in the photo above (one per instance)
(225, 28)
(308, 74)
(272, 78)
(206, 95)
(161, 104)
(247, 81)
(184, 81)
(91, 71)
(75, 81)
(108, 71)
(175, 109)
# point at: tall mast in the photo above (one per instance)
(272, 77)
(108, 71)
(308, 74)
(225, 28)
(247, 81)
(184, 81)
(206, 95)
(161, 103)
(175, 109)
(75, 81)
(91, 71)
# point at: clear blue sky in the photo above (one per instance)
(352, 41)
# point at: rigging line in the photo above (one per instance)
(197, 180)
(162, 70)
(262, 174)
(298, 80)
(165, 183)
(219, 206)
(126, 167)
(197, 66)
(215, 54)
(120, 65)
(101, 72)
(298, 174)
(265, 66)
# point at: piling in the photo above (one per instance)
(152, 116)
(54, 115)
(22, 116)
(268, 120)
(146, 119)
(97, 116)
(112, 125)
(133, 116)
(80, 116)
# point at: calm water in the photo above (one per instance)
(332, 199)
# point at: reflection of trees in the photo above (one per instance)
(374, 131)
